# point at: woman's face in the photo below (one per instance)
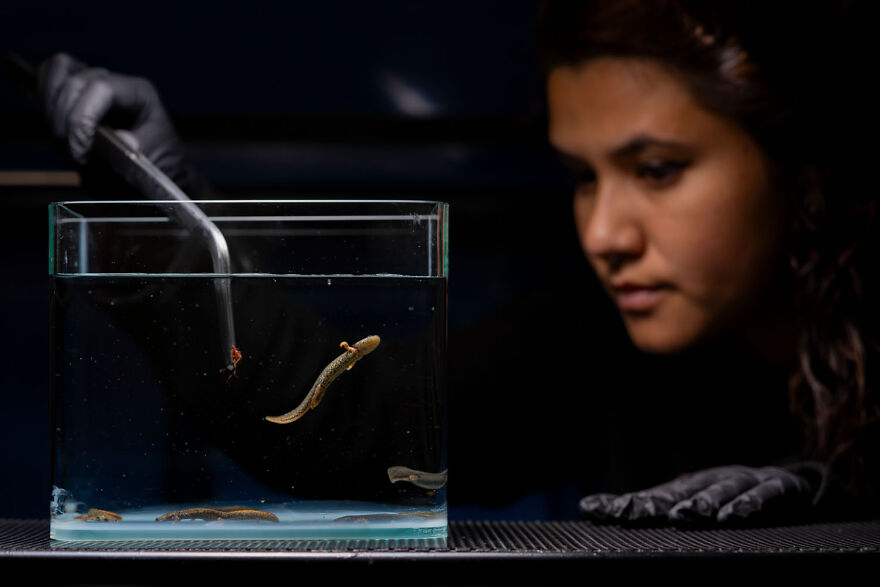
(674, 205)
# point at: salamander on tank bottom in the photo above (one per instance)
(96, 515)
(344, 362)
(366, 518)
(217, 513)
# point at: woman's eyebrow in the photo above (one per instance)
(629, 149)
(639, 143)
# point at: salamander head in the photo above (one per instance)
(398, 473)
(366, 345)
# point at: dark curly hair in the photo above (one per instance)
(794, 76)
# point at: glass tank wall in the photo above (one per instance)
(248, 370)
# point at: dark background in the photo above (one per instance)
(409, 99)
(414, 100)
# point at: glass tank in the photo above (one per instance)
(248, 370)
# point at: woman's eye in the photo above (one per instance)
(661, 173)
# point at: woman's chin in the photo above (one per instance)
(657, 337)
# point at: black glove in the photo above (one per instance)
(722, 495)
(77, 98)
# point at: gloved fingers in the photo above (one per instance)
(641, 505)
(686, 486)
(52, 75)
(722, 494)
(102, 94)
(65, 95)
(706, 503)
(638, 506)
(135, 96)
(596, 506)
(76, 98)
(62, 119)
(751, 502)
(141, 112)
(779, 491)
(655, 502)
(92, 102)
(629, 507)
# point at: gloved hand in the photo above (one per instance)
(77, 98)
(731, 494)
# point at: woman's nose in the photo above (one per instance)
(609, 226)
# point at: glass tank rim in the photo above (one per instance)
(252, 274)
(251, 201)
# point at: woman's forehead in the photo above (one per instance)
(606, 102)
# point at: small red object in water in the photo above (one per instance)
(236, 359)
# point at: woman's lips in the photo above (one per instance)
(636, 298)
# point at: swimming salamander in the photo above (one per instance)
(217, 513)
(417, 478)
(345, 361)
(96, 515)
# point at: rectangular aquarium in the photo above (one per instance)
(248, 370)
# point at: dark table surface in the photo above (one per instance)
(476, 553)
